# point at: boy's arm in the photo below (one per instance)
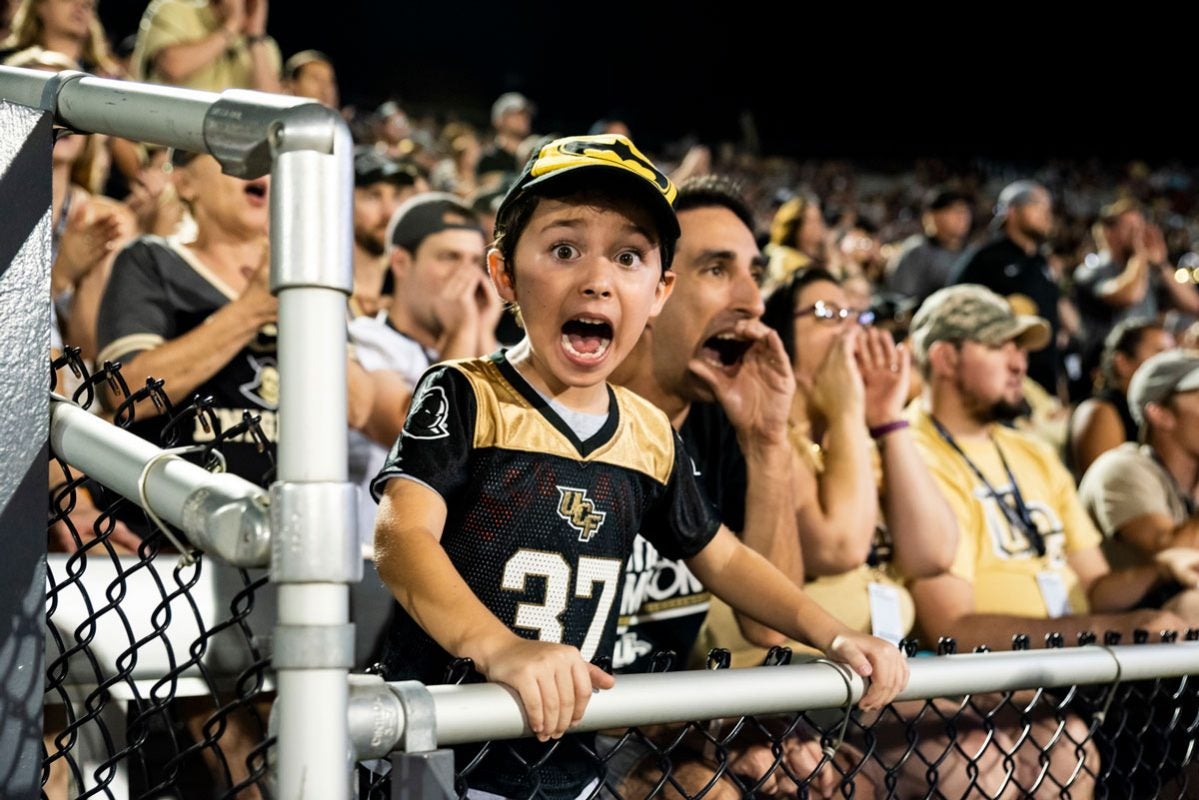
(752, 585)
(552, 681)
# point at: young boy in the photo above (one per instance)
(528, 475)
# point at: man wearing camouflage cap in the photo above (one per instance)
(1143, 496)
(1028, 557)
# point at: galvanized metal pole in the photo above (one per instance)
(315, 554)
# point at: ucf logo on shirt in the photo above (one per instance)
(1008, 541)
(579, 511)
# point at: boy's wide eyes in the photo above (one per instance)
(625, 258)
(629, 258)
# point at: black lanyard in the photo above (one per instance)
(1018, 517)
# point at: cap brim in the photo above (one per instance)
(1189, 382)
(1031, 333)
(397, 177)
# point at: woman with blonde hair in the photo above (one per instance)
(70, 27)
(797, 240)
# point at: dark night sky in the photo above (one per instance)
(813, 87)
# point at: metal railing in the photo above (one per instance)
(306, 149)
(1095, 720)
(484, 712)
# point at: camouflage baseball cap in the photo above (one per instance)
(1161, 376)
(970, 312)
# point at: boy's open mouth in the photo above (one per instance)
(586, 338)
(725, 350)
(256, 189)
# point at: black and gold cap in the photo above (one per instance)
(423, 215)
(616, 154)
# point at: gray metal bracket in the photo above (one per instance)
(232, 525)
(54, 85)
(235, 124)
(328, 507)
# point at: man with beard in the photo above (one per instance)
(1012, 263)
(381, 184)
(1143, 495)
(1028, 558)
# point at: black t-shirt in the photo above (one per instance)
(158, 292)
(1004, 268)
(538, 525)
(1097, 316)
(663, 605)
(496, 159)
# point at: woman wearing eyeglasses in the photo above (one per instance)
(859, 527)
(854, 384)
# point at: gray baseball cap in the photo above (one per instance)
(969, 312)
(1016, 194)
(1165, 374)
(509, 102)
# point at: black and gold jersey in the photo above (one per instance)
(539, 523)
(159, 291)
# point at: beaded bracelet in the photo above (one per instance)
(883, 430)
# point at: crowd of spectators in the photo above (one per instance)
(1075, 367)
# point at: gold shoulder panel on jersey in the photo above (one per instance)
(643, 441)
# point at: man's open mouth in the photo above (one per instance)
(725, 349)
(256, 189)
(586, 338)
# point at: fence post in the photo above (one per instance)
(25, 144)
(314, 547)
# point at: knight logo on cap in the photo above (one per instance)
(577, 151)
(614, 153)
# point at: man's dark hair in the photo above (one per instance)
(593, 187)
(861, 224)
(780, 306)
(714, 191)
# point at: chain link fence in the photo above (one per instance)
(1119, 740)
(157, 657)
(158, 685)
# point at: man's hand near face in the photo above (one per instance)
(757, 396)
